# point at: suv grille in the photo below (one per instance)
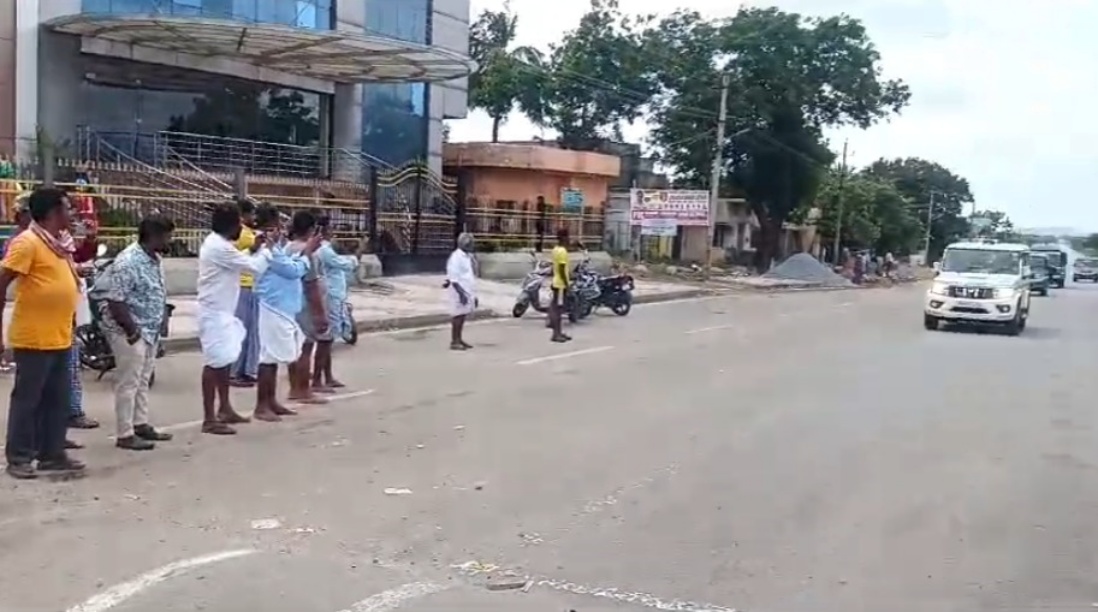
(972, 293)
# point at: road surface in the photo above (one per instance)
(809, 452)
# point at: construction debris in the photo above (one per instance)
(805, 268)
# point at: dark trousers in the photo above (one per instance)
(39, 411)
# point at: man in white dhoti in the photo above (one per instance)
(220, 333)
(461, 282)
(281, 298)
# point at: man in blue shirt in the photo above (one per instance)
(135, 297)
(334, 269)
(281, 298)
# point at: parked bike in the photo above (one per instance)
(95, 349)
(616, 293)
(530, 294)
(585, 290)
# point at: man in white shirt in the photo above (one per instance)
(220, 333)
(461, 288)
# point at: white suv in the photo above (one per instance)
(983, 284)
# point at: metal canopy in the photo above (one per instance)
(339, 56)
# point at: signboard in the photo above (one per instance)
(571, 200)
(660, 227)
(685, 207)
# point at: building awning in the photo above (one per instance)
(338, 56)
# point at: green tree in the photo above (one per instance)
(993, 224)
(922, 182)
(791, 77)
(1090, 243)
(597, 78)
(505, 77)
(875, 215)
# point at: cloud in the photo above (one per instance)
(1002, 91)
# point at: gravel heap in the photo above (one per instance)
(803, 267)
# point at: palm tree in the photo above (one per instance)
(505, 77)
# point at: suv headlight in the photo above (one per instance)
(1004, 293)
(940, 288)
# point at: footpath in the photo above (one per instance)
(403, 302)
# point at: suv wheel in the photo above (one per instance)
(1018, 324)
(930, 322)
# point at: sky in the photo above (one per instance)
(1003, 92)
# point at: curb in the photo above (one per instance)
(190, 343)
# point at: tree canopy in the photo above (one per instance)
(505, 77)
(791, 78)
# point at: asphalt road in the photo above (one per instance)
(810, 452)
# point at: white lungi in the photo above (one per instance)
(456, 307)
(221, 336)
(280, 337)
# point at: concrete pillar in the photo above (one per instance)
(26, 75)
(347, 131)
(59, 91)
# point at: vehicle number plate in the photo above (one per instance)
(968, 304)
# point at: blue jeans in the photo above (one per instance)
(76, 388)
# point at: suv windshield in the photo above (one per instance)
(981, 261)
(1086, 263)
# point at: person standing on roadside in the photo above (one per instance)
(246, 368)
(41, 336)
(135, 302)
(220, 333)
(82, 250)
(334, 268)
(561, 279)
(281, 298)
(313, 318)
(461, 282)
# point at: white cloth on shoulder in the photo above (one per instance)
(221, 336)
(459, 270)
(280, 337)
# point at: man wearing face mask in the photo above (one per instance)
(133, 289)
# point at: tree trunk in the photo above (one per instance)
(496, 122)
(766, 247)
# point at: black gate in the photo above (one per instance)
(416, 222)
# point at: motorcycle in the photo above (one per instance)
(530, 294)
(616, 293)
(95, 349)
(585, 290)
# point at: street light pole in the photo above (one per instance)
(929, 220)
(715, 180)
(839, 221)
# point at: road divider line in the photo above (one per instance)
(110, 598)
(394, 598)
(627, 597)
(338, 397)
(712, 328)
(568, 355)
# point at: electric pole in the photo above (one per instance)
(839, 221)
(929, 220)
(715, 180)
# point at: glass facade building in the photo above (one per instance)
(312, 14)
(395, 116)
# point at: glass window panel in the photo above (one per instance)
(311, 14)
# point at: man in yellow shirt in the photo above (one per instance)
(40, 335)
(561, 279)
(246, 369)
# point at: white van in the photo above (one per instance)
(981, 283)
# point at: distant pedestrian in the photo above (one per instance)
(245, 369)
(136, 302)
(561, 280)
(41, 333)
(461, 281)
(220, 333)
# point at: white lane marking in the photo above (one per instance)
(105, 600)
(702, 330)
(337, 397)
(394, 598)
(568, 355)
(627, 597)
